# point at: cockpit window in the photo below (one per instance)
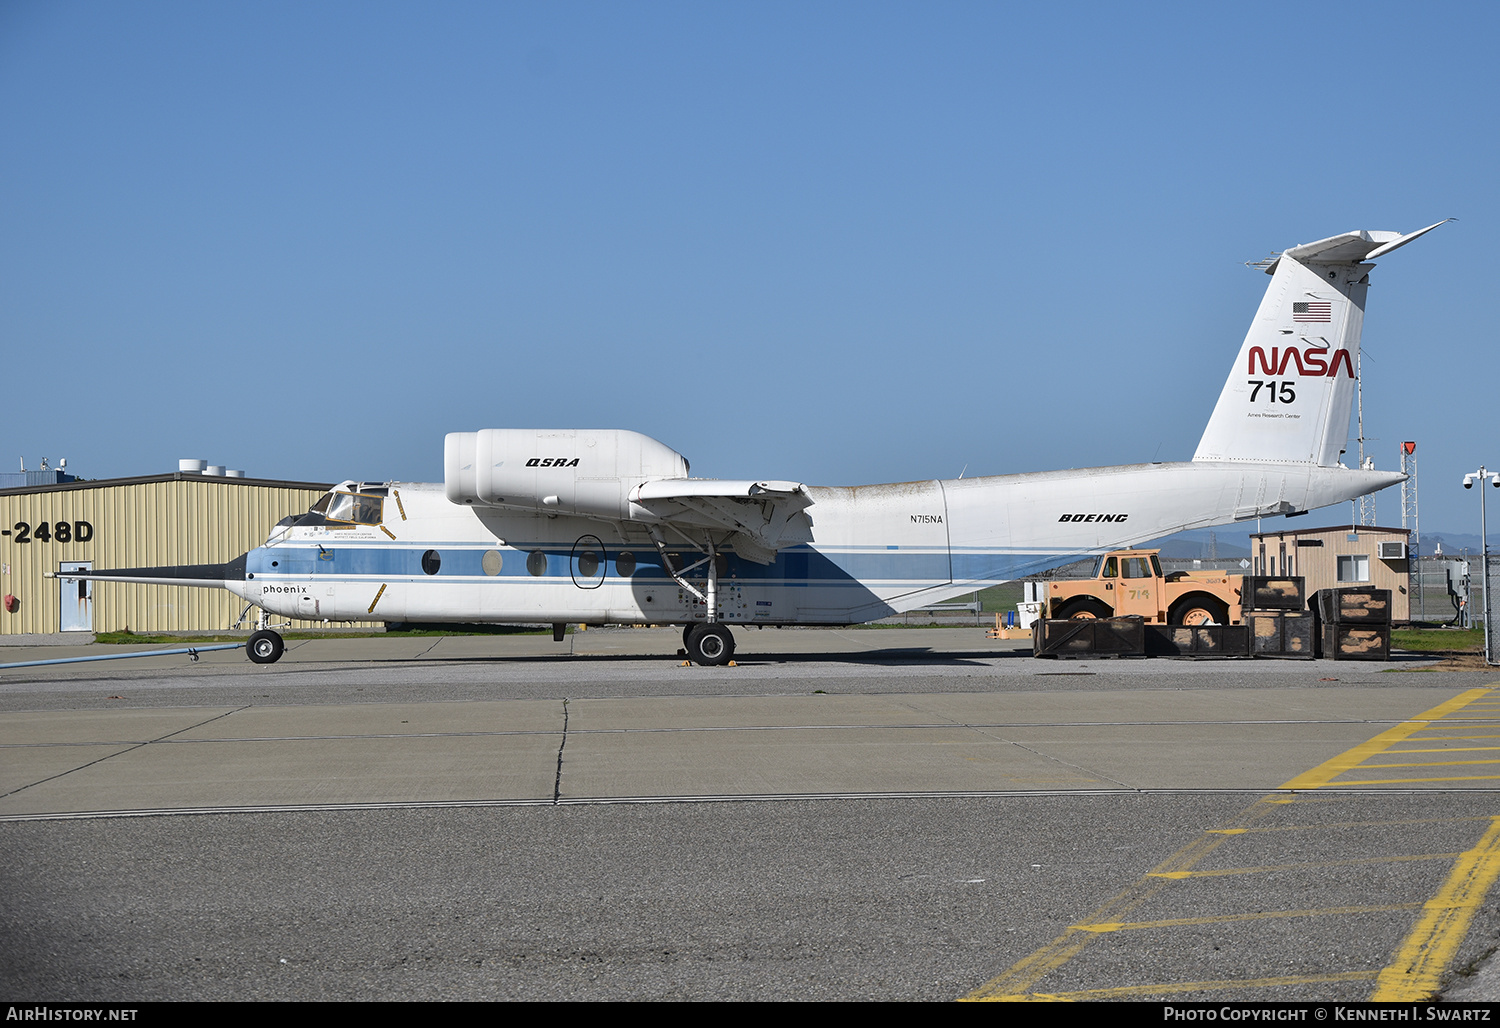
(354, 507)
(321, 507)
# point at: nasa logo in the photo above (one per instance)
(1309, 361)
(552, 462)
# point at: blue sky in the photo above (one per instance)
(839, 243)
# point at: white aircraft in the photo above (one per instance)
(606, 526)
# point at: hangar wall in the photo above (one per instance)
(153, 520)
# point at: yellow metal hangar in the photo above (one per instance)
(50, 522)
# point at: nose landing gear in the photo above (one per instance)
(265, 647)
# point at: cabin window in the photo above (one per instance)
(625, 565)
(431, 561)
(1135, 567)
(536, 563)
(492, 562)
(1354, 567)
(1111, 568)
(355, 507)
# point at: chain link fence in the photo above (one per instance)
(1492, 630)
(1448, 590)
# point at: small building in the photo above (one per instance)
(1333, 557)
(153, 520)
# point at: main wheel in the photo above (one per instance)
(265, 647)
(1085, 608)
(710, 645)
(1199, 609)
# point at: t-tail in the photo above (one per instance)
(1291, 389)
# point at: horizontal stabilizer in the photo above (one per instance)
(1352, 247)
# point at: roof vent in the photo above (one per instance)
(191, 466)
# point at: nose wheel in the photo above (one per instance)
(709, 645)
(265, 647)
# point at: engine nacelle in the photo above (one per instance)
(565, 471)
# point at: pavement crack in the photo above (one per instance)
(1054, 759)
(429, 649)
(128, 749)
(557, 781)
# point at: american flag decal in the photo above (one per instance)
(1312, 310)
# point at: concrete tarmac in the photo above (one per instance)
(845, 814)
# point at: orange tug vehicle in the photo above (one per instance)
(1130, 582)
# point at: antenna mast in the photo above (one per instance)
(1367, 501)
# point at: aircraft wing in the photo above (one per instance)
(763, 515)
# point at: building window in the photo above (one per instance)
(1354, 567)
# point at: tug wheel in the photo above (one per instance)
(1084, 609)
(1199, 610)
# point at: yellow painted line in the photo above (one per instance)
(376, 600)
(387, 531)
(1167, 988)
(1358, 824)
(1409, 781)
(1327, 771)
(1451, 723)
(1436, 763)
(1353, 862)
(1419, 964)
(1451, 749)
(1259, 915)
(1452, 738)
(1017, 981)
(399, 505)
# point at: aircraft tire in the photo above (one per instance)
(1198, 609)
(710, 645)
(265, 647)
(1083, 609)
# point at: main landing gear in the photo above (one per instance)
(710, 645)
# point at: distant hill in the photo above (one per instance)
(1234, 540)
(1203, 543)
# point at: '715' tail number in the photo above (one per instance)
(1276, 392)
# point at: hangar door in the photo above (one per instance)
(77, 612)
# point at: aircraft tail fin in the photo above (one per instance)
(1289, 394)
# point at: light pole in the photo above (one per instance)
(1484, 548)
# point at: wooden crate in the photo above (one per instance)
(1090, 637)
(1197, 640)
(1354, 605)
(1356, 642)
(1281, 634)
(1262, 592)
